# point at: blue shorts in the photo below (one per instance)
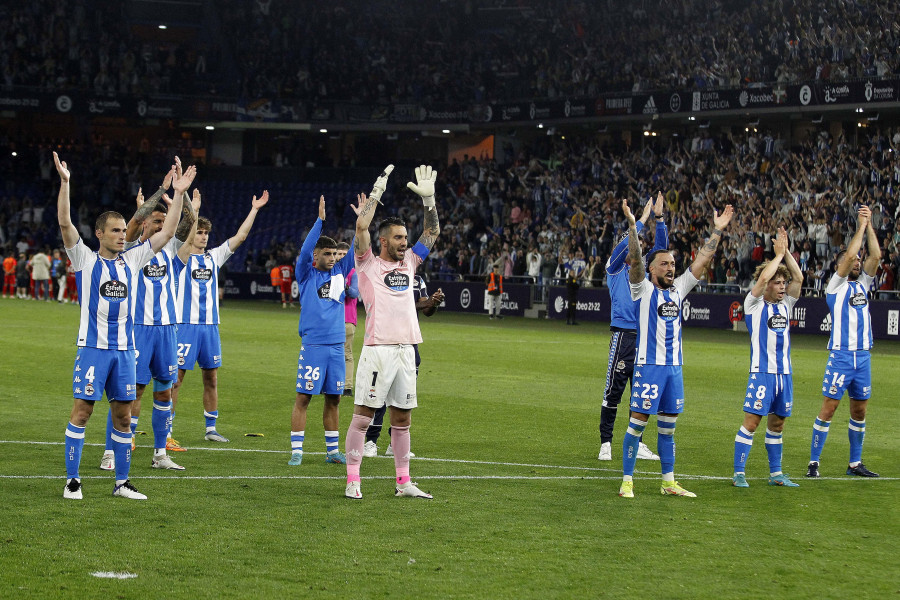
(657, 389)
(769, 393)
(199, 344)
(848, 371)
(98, 370)
(321, 369)
(156, 349)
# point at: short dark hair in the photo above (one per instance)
(385, 225)
(325, 242)
(161, 207)
(100, 224)
(652, 256)
(204, 224)
(343, 246)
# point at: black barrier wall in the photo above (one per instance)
(718, 311)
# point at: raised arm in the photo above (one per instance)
(661, 239)
(185, 249)
(720, 222)
(796, 285)
(309, 244)
(188, 216)
(846, 264)
(780, 246)
(873, 260)
(159, 239)
(424, 187)
(244, 230)
(636, 273)
(145, 207)
(365, 211)
(63, 211)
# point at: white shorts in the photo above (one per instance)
(386, 375)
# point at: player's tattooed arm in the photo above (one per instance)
(432, 228)
(188, 218)
(844, 267)
(636, 272)
(720, 222)
(145, 207)
(63, 210)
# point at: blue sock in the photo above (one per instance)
(171, 421)
(857, 432)
(134, 422)
(109, 430)
(774, 448)
(297, 441)
(630, 445)
(820, 434)
(160, 421)
(331, 441)
(74, 446)
(665, 443)
(211, 420)
(743, 442)
(122, 450)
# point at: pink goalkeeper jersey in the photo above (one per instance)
(387, 293)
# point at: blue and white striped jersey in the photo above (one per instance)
(154, 290)
(623, 307)
(197, 302)
(770, 339)
(659, 320)
(851, 324)
(105, 294)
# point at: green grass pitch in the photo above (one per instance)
(507, 441)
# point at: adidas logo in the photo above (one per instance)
(650, 107)
(826, 323)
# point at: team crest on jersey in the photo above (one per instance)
(858, 299)
(155, 272)
(833, 390)
(325, 291)
(668, 311)
(397, 281)
(89, 389)
(114, 291)
(620, 366)
(204, 274)
(310, 385)
(777, 322)
(648, 404)
(757, 405)
(180, 361)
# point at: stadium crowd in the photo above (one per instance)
(466, 50)
(547, 204)
(564, 199)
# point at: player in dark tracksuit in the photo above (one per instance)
(623, 326)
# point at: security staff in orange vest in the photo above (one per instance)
(494, 283)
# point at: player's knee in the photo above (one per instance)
(302, 401)
(210, 377)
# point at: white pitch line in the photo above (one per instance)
(390, 477)
(426, 459)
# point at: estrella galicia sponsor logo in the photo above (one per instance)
(204, 274)
(155, 272)
(858, 299)
(397, 281)
(777, 322)
(668, 311)
(325, 290)
(114, 291)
